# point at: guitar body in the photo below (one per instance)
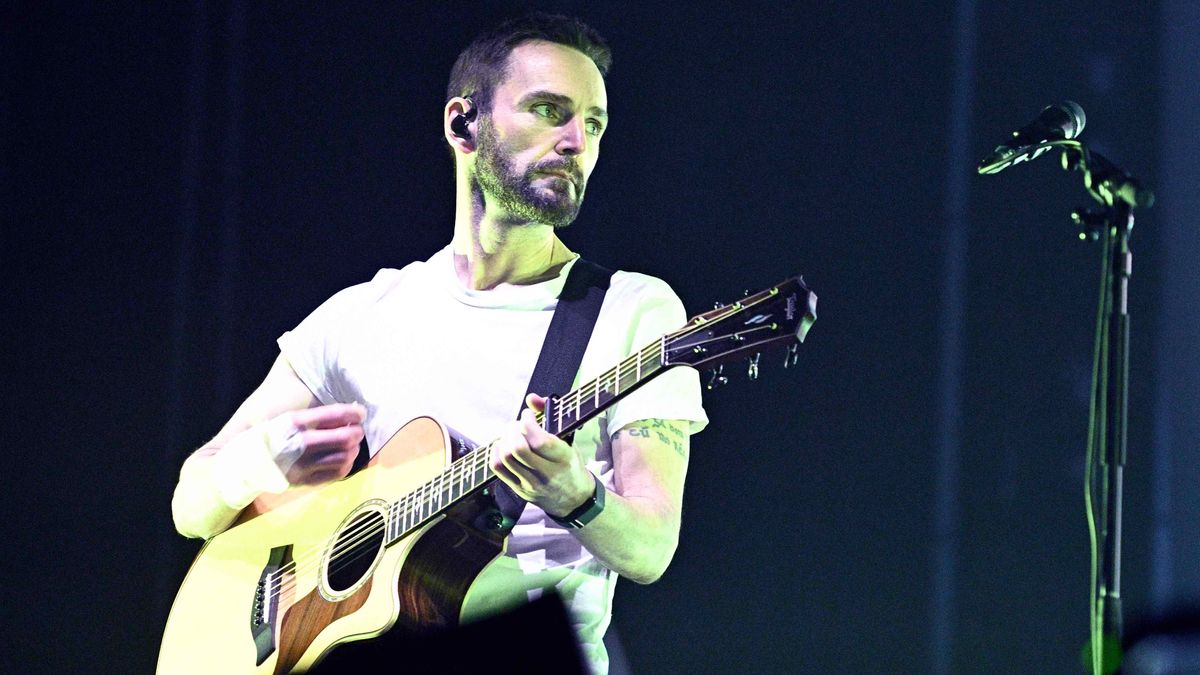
(303, 571)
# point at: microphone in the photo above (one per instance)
(1054, 123)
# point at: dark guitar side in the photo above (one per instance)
(445, 561)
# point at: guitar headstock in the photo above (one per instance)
(779, 316)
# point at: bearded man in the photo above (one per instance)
(456, 337)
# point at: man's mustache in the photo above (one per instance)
(569, 168)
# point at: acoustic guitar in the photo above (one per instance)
(398, 544)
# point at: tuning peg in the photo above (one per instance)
(717, 379)
(746, 293)
(718, 305)
(791, 356)
(753, 372)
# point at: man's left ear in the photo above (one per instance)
(459, 122)
(459, 113)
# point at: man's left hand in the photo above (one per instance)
(540, 467)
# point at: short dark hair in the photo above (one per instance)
(483, 65)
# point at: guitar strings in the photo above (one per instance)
(744, 332)
(358, 534)
(305, 562)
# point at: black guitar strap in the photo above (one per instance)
(562, 351)
(570, 330)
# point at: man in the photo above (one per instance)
(456, 337)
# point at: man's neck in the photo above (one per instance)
(489, 252)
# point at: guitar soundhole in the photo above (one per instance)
(355, 550)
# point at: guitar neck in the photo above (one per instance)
(565, 414)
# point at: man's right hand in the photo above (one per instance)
(326, 439)
(298, 444)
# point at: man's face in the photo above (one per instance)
(537, 147)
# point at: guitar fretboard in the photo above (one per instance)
(567, 413)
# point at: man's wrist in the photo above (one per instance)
(585, 512)
(248, 466)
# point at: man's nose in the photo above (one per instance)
(573, 137)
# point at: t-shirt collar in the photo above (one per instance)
(539, 296)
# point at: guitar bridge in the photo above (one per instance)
(265, 607)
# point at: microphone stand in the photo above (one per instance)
(1118, 194)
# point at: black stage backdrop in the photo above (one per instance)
(182, 182)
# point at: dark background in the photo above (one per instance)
(182, 182)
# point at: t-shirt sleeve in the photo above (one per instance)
(313, 347)
(675, 394)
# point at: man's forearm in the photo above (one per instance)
(196, 507)
(638, 531)
(634, 537)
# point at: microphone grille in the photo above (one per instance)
(1078, 118)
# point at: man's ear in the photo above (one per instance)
(458, 121)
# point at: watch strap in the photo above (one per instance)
(586, 512)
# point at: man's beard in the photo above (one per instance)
(515, 193)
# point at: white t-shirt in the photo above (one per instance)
(414, 342)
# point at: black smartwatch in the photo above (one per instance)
(586, 512)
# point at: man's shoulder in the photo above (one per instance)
(387, 279)
(640, 285)
(386, 283)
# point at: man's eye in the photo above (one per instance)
(595, 128)
(546, 110)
